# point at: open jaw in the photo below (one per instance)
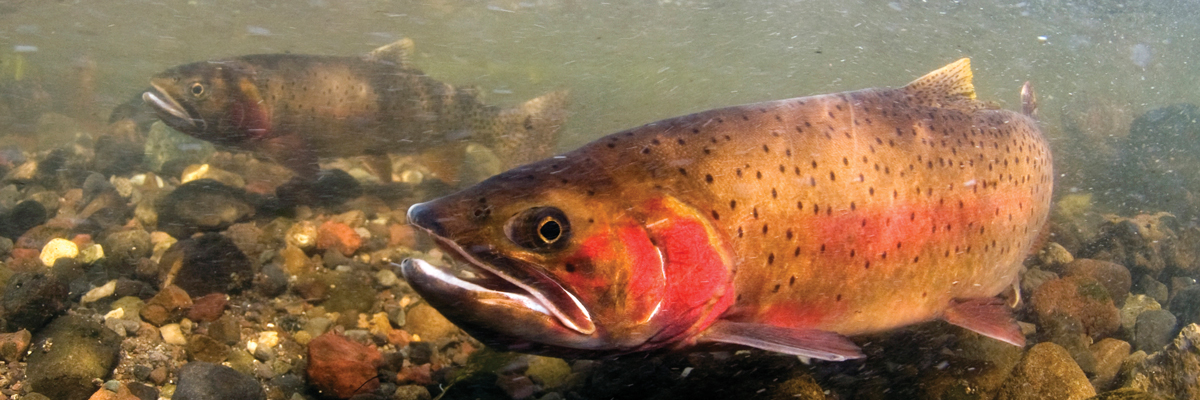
(501, 282)
(169, 109)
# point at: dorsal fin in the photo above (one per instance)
(398, 52)
(1028, 100)
(948, 84)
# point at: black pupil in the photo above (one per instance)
(197, 88)
(549, 230)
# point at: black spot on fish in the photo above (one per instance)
(771, 259)
(733, 204)
(715, 215)
(708, 178)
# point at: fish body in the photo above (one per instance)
(784, 225)
(298, 108)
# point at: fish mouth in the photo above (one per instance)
(495, 283)
(171, 111)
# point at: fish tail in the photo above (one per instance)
(529, 132)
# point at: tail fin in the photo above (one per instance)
(529, 132)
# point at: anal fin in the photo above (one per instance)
(811, 343)
(988, 317)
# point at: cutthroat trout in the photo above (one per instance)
(784, 225)
(297, 108)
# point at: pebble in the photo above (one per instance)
(1034, 278)
(172, 334)
(209, 263)
(1115, 277)
(125, 248)
(1185, 304)
(100, 292)
(1135, 304)
(411, 392)
(1153, 288)
(1109, 353)
(1153, 330)
(340, 367)
(1054, 256)
(1079, 297)
(271, 281)
(207, 349)
(1046, 372)
(302, 235)
(31, 300)
(206, 171)
(208, 307)
(58, 248)
(91, 253)
(168, 149)
(1127, 394)
(386, 278)
(24, 216)
(166, 306)
(552, 372)
(202, 206)
(69, 354)
(1159, 374)
(225, 330)
(427, 324)
(113, 390)
(208, 381)
(338, 236)
(13, 345)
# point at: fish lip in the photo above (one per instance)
(160, 101)
(582, 324)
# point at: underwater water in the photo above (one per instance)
(173, 267)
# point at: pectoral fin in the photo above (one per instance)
(811, 343)
(988, 317)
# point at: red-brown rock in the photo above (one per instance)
(1079, 297)
(208, 307)
(338, 236)
(1115, 277)
(340, 367)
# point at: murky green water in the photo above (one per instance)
(1096, 65)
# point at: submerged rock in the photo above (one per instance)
(206, 381)
(206, 264)
(1115, 277)
(1172, 372)
(32, 299)
(69, 355)
(1046, 372)
(202, 206)
(340, 367)
(1079, 297)
(1153, 330)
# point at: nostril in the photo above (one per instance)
(422, 216)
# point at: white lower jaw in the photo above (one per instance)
(167, 104)
(483, 295)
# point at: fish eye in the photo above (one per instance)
(539, 229)
(197, 89)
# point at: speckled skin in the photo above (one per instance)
(297, 108)
(853, 212)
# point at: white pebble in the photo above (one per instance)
(99, 292)
(92, 253)
(58, 248)
(386, 278)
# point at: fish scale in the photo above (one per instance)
(782, 225)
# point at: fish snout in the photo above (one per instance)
(423, 216)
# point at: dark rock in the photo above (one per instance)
(1146, 244)
(69, 355)
(208, 307)
(206, 264)
(1153, 330)
(26, 215)
(225, 330)
(123, 249)
(1185, 304)
(142, 392)
(202, 205)
(207, 381)
(118, 156)
(1149, 286)
(1068, 332)
(271, 281)
(1171, 372)
(331, 188)
(32, 299)
(1046, 372)
(166, 306)
(341, 367)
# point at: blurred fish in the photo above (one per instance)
(783, 225)
(298, 108)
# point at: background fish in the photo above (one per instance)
(298, 108)
(782, 225)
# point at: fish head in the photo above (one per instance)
(215, 101)
(570, 269)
